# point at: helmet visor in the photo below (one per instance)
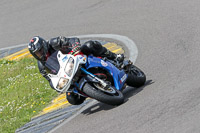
(39, 53)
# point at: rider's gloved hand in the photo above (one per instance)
(76, 47)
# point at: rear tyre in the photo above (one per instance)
(111, 99)
(136, 78)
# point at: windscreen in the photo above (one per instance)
(52, 63)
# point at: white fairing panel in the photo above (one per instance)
(69, 65)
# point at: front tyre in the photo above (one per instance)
(136, 78)
(111, 99)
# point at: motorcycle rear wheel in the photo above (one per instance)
(111, 99)
(136, 77)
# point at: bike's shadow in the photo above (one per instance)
(128, 92)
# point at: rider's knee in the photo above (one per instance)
(93, 47)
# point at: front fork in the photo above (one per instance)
(77, 87)
(95, 77)
(105, 86)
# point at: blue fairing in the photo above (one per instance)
(119, 76)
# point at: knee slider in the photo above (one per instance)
(95, 47)
(86, 48)
(75, 99)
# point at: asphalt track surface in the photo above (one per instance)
(167, 34)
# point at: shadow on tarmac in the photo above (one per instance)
(128, 92)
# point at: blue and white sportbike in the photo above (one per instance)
(98, 78)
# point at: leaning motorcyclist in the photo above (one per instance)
(42, 49)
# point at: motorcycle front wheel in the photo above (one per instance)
(104, 97)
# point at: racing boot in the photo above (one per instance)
(120, 57)
(112, 56)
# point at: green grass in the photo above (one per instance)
(23, 93)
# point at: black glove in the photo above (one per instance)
(73, 43)
(76, 47)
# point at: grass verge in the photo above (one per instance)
(23, 93)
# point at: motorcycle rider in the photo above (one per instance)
(42, 49)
